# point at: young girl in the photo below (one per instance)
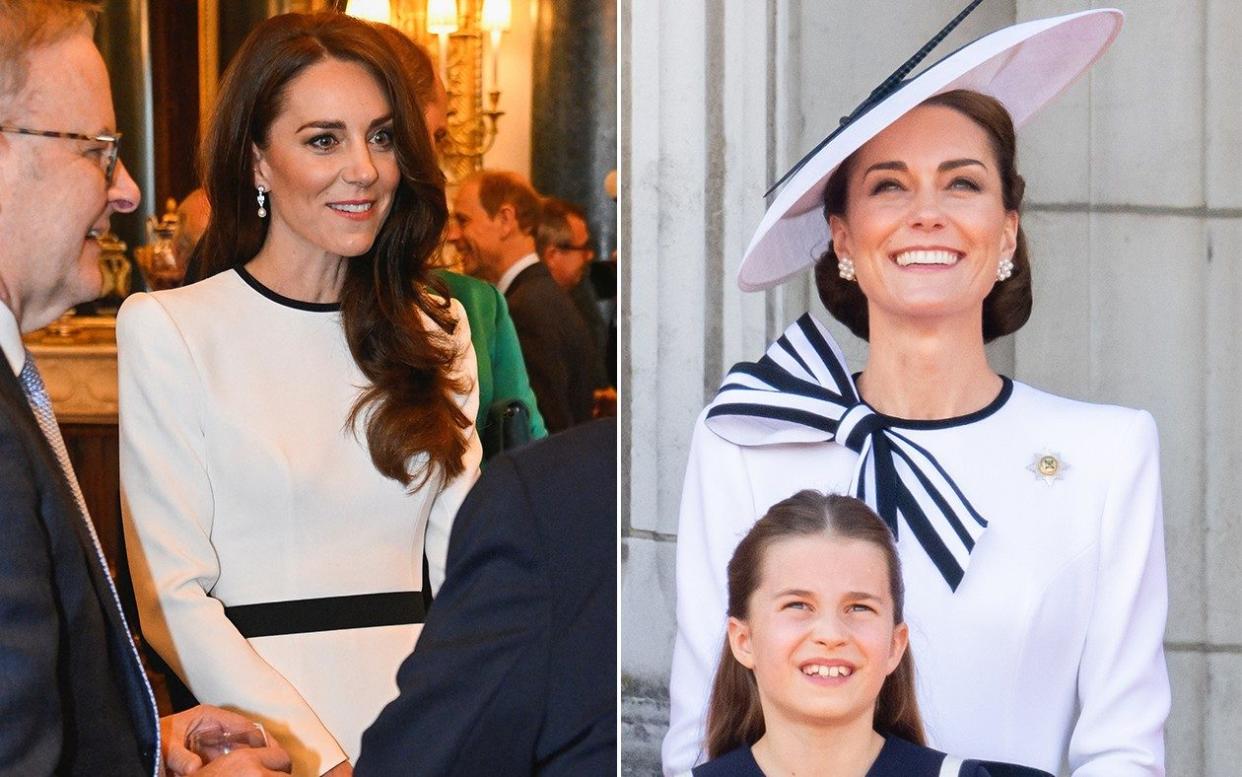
(815, 676)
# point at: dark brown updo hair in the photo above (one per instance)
(1008, 305)
(734, 714)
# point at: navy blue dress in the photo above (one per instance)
(898, 758)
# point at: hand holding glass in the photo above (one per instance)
(212, 741)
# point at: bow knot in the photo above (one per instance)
(801, 392)
(857, 426)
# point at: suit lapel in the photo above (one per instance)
(524, 276)
(63, 494)
(134, 682)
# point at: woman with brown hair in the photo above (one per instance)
(297, 423)
(815, 676)
(1029, 525)
(501, 368)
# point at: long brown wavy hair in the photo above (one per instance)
(409, 408)
(734, 714)
(1008, 306)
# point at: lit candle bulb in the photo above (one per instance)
(371, 10)
(497, 16)
(441, 21)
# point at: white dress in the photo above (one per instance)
(1050, 650)
(242, 485)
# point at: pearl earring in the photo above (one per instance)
(845, 268)
(1005, 269)
(262, 198)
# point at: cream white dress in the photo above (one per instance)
(1049, 651)
(243, 485)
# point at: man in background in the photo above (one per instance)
(494, 221)
(514, 673)
(73, 696)
(563, 242)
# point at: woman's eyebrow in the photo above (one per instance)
(899, 166)
(334, 124)
(894, 165)
(956, 163)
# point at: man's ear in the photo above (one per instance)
(506, 219)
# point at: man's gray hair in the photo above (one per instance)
(26, 25)
(553, 229)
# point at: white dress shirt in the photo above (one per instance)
(11, 340)
(515, 269)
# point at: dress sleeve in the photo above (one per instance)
(168, 513)
(509, 377)
(717, 509)
(1123, 683)
(453, 493)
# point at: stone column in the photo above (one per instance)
(574, 101)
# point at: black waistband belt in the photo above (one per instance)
(327, 614)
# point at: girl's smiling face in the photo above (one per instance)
(925, 222)
(819, 633)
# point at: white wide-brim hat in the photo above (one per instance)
(1024, 67)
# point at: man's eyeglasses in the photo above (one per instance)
(107, 157)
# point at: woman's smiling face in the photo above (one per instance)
(925, 222)
(329, 164)
(819, 632)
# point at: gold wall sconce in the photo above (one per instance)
(454, 31)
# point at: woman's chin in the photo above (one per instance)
(927, 311)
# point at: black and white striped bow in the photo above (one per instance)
(801, 392)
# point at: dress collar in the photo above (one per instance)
(801, 392)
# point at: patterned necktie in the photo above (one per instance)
(39, 401)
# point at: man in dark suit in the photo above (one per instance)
(494, 220)
(515, 671)
(563, 242)
(73, 696)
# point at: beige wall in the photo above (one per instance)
(512, 149)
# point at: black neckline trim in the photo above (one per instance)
(280, 299)
(1002, 397)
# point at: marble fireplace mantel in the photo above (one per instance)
(77, 358)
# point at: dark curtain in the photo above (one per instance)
(574, 109)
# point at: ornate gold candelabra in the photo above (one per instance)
(471, 127)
